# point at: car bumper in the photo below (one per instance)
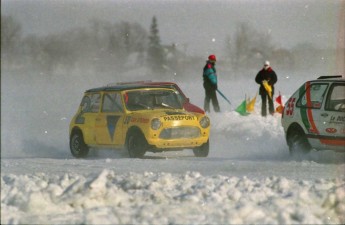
(179, 143)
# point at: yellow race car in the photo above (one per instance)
(139, 118)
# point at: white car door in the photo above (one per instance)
(334, 111)
(324, 124)
(312, 114)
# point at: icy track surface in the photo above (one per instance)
(165, 198)
(247, 178)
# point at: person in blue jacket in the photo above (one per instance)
(210, 84)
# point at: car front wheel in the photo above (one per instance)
(203, 150)
(77, 145)
(136, 144)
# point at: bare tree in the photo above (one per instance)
(11, 34)
(249, 47)
(155, 52)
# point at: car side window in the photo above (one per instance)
(336, 98)
(313, 96)
(90, 102)
(95, 102)
(85, 104)
(112, 102)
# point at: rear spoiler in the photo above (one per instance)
(329, 77)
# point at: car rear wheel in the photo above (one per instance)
(203, 150)
(298, 144)
(136, 144)
(77, 145)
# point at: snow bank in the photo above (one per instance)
(165, 198)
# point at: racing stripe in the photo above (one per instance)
(310, 112)
(303, 110)
(306, 112)
(328, 140)
(340, 142)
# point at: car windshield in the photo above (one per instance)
(151, 99)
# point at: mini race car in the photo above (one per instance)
(314, 116)
(139, 118)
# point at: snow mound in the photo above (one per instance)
(165, 198)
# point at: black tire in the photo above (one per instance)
(203, 150)
(136, 144)
(298, 143)
(77, 145)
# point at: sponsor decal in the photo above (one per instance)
(337, 119)
(331, 130)
(139, 120)
(179, 117)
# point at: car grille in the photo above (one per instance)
(180, 132)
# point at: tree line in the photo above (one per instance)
(103, 46)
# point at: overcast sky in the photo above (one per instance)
(202, 26)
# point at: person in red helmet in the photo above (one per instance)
(210, 84)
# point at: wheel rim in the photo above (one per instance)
(76, 144)
(132, 146)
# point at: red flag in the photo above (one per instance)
(279, 99)
(280, 107)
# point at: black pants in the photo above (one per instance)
(264, 99)
(210, 94)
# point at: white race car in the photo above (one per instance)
(314, 116)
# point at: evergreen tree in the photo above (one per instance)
(155, 53)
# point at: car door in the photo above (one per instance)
(313, 116)
(333, 126)
(322, 115)
(109, 122)
(89, 109)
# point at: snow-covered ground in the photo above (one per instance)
(247, 178)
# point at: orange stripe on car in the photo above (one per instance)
(333, 142)
(313, 128)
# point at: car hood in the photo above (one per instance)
(170, 115)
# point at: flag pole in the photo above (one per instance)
(226, 99)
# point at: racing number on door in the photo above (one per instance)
(290, 106)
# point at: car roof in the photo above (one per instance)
(122, 87)
(147, 82)
(329, 78)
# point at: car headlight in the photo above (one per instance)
(155, 124)
(205, 122)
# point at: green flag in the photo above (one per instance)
(241, 109)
